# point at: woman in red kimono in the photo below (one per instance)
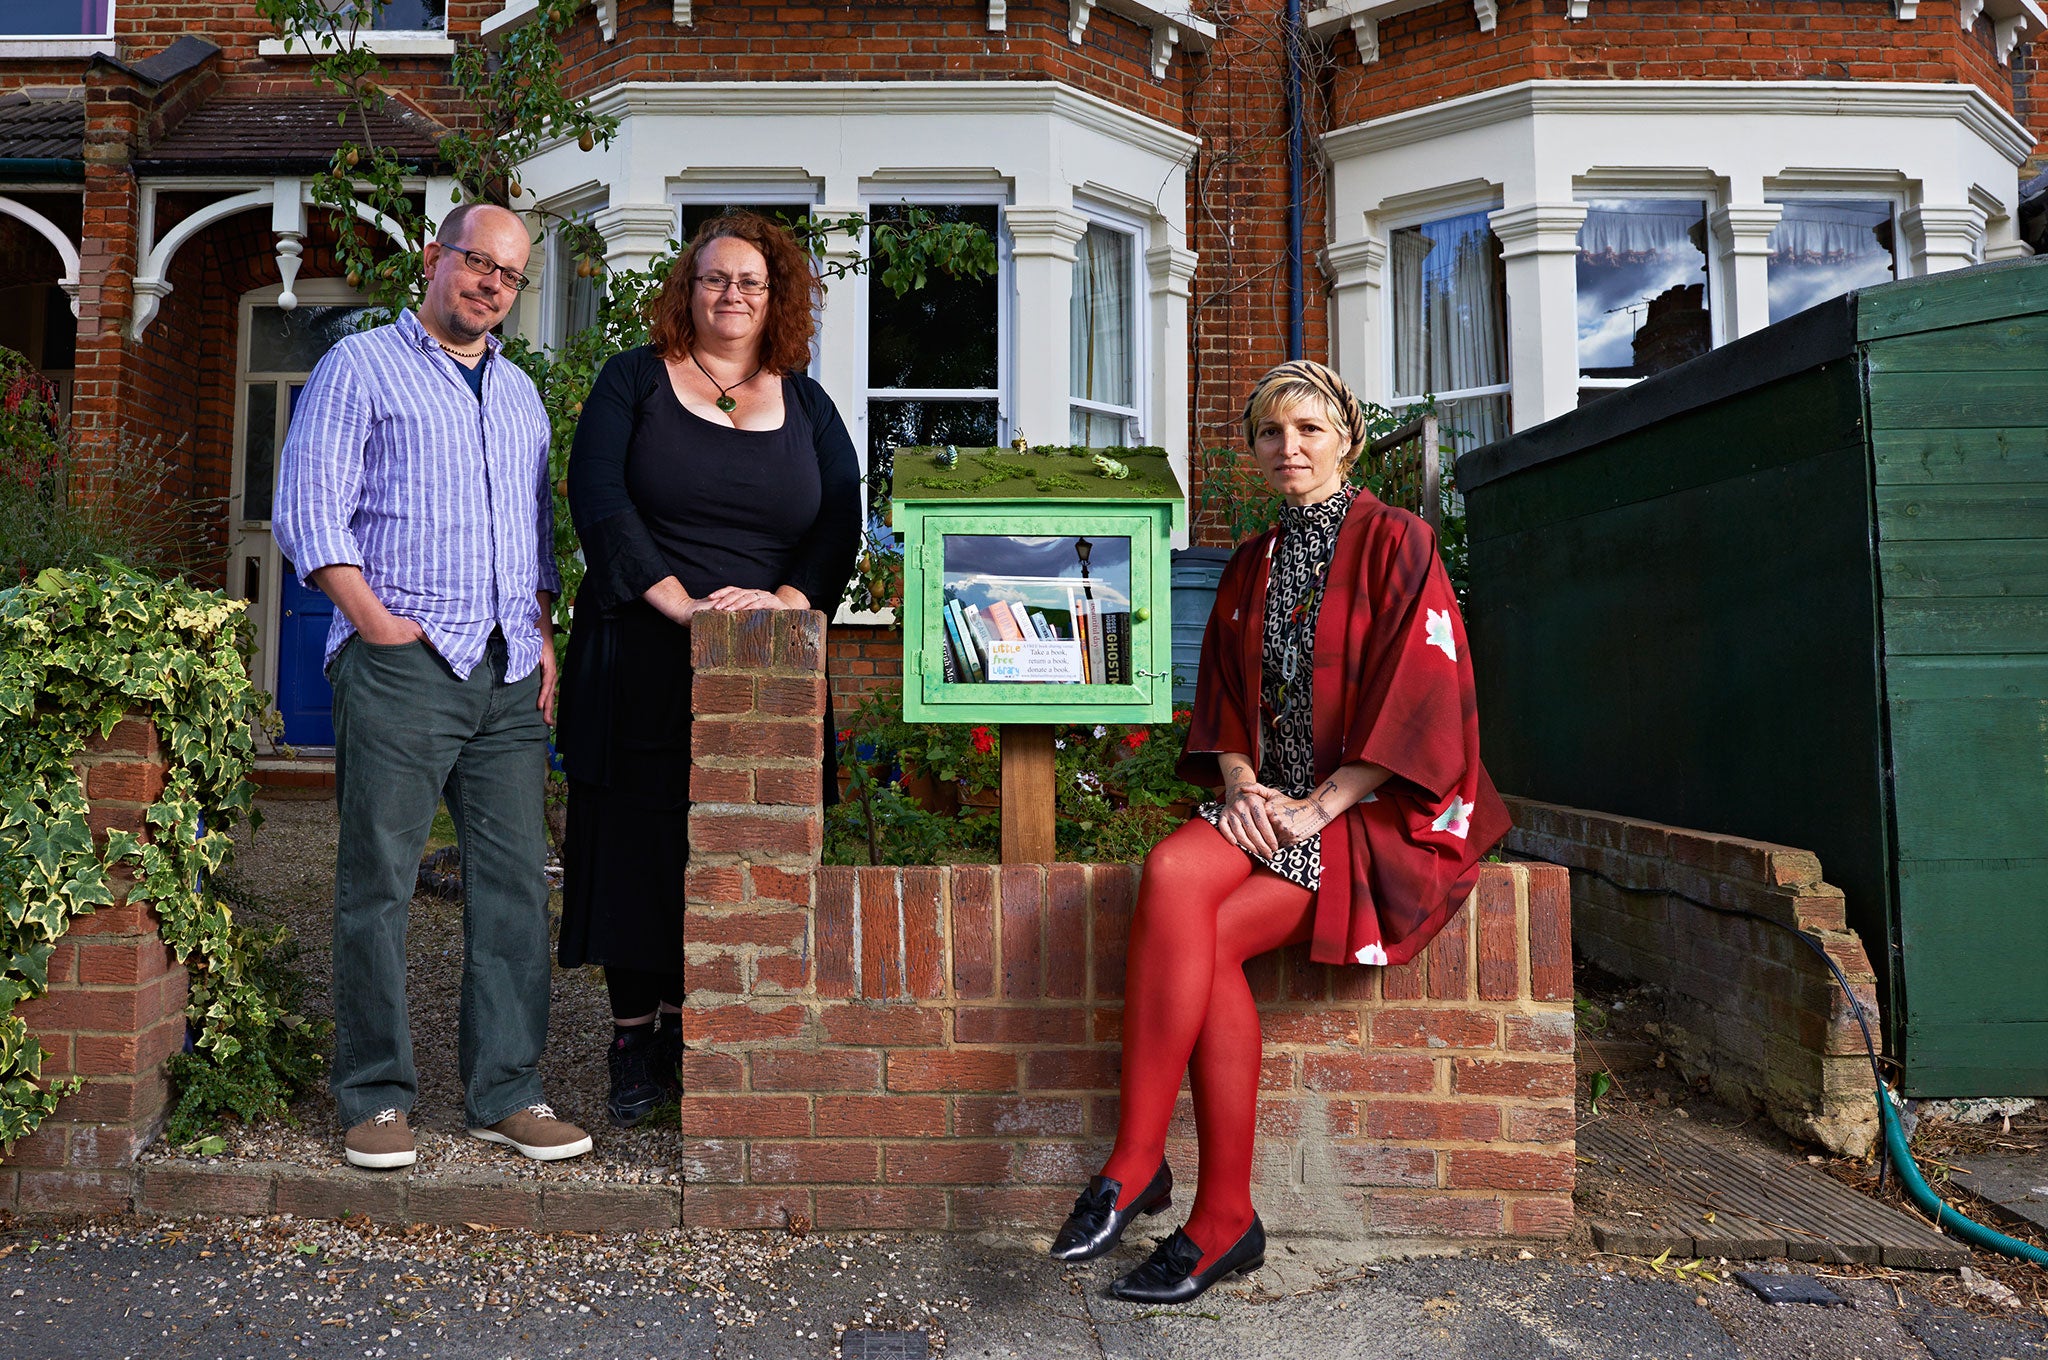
(1334, 709)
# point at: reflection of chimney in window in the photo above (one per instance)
(1674, 329)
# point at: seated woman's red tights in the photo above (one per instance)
(1204, 908)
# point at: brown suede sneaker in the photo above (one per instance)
(381, 1142)
(536, 1132)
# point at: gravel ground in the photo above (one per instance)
(284, 871)
(279, 1287)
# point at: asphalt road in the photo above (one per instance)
(260, 1288)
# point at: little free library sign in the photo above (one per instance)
(1036, 583)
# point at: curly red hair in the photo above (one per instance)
(795, 293)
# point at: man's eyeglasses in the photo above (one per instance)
(718, 283)
(484, 266)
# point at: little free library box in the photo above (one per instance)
(1036, 583)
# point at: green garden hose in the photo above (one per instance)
(1940, 1210)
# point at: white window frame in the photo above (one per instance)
(558, 258)
(1418, 217)
(1717, 302)
(47, 45)
(887, 194)
(763, 193)
(248, 537)
(1902, 258)
(385, 42)
(1137, 416)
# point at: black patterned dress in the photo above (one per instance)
(1294, 598)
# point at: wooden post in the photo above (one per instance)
(1432, 496)
(1027, 793)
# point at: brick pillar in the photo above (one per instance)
(114, 1013)
(756, 828)
(115, 106)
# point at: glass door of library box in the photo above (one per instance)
(1036, 618)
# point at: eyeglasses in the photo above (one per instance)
(718, 283)
(484, 266)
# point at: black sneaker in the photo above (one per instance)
(634, 1062)
(668, 1058)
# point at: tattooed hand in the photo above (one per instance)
(1297, 819)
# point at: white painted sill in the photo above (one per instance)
(517, 14)
(383, 43)
(34, 49)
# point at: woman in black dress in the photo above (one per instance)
(709, 472)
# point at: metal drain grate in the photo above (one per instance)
(866, 1345)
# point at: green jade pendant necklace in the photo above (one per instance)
(726, 401)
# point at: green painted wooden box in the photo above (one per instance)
(1036, 585)
(1797, 589)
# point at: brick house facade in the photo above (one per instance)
(1554, 156)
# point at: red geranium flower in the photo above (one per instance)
(983, 739)
(1134, 740)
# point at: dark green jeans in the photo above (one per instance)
(407, 732)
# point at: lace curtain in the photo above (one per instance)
(1832, 233)
(1642, 233)
(1101, 335)
(1449, 331)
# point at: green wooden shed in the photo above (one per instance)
(1797, 589)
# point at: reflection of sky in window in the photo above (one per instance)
(1821, 250)
(1037, 571)
(1614, 296)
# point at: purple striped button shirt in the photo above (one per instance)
(393, 466)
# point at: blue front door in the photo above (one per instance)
(304, 699)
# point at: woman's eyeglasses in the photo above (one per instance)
(484, 266)
(718, 283)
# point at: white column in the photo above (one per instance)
(842, 329)
(1171, 272)
(288, 223)
(1540, 247)
(1944, 236)
(1743, 233)
(1042, 244)
(634, 233)
(1357, 274)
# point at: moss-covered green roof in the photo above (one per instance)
(1049, 473)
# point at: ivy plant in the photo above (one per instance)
(80, 651)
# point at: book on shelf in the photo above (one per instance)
(978, 627)
(1002, 622)
(958, 640)
(1043, 626)
(1115, 647)
(1026, 630)
(1098, 670)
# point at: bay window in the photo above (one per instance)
(1644, 300)
(1449, 310)
(1103, 340)
(1823, 248)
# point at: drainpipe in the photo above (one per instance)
(40, 167)
(1294, 180)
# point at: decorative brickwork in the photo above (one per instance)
(1749, 1007)
(114, 1013)
(935, 1047)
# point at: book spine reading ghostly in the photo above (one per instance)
(1115, 645)
(1098, 669)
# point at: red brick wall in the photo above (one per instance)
(937, 1047)
(1438, 52)
(1749, 1007)
(114, 1013)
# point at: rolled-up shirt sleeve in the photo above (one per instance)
(550, 571)
(320, 471)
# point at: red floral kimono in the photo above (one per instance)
(1393, 687)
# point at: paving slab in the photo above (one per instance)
(2016, 1182)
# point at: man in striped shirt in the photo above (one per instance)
(414, 493)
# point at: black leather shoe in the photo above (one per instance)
(1169, 1276)
(1097, 1224)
